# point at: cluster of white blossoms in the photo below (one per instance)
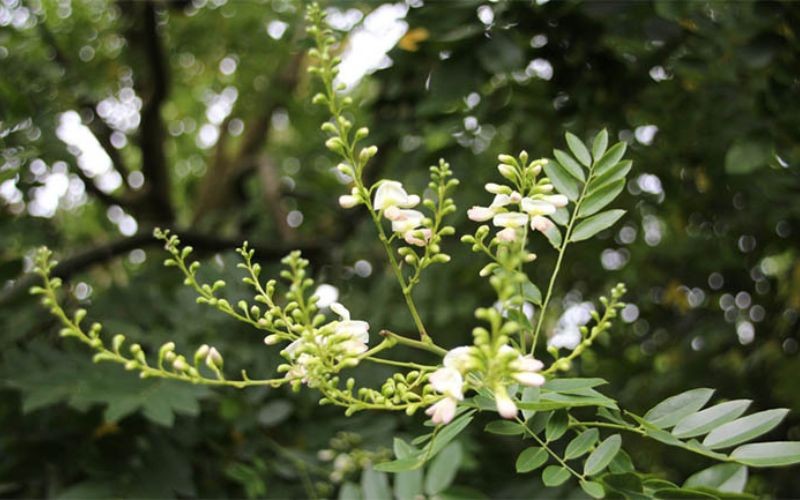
(567, 333)
(449, 380)
(511, 210)
(336, 343)
(394, 202)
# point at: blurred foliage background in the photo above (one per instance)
(116, 117)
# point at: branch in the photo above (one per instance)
(156, 202)
(105, 252)
(226, 172)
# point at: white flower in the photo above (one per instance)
(353, 347)
(500, 201)
(443, 411)
(458, 358)
(292, 349)
(448, 381)
(577, 315)
(358, 330)
(480, 214)
(348, 201)
(559, 200)
(510, 219)
(526, 368)
(340, 310)
(567, 333)
(392, 193)
(418, 237)
(505, 406)
(541, 224)
(507, 235)
(404, 220)
(537, 207)
(567, 338)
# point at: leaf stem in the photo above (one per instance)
(561, 252)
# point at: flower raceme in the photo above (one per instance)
(506, 367)
(337, 343)
(529, 201)
(396, 205)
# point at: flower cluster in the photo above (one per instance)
(336, 344)
(506, 367)
(392, 200)
(530, 200)
(567, 333)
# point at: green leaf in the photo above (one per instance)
(557, 426)
(593, 489)
(673, 409)
(596, 223)
(611, 158)
(531, 458)
(531, 293)
(561, 216)
(746, 157)
(626, 483)
(554, 475)
(443, 469)
(578, 149)
(704, 421)
(769, 454)
(599, 144)
(602, 455)
(555, 401)
(675, 493)
(375, 485)
(539, 421)
(597, 199)
(744, 429)
(730, 478)
(7, 174)
(448, 433)
(621, 463)
(616, 172)
(407, 484)
(404, 464)
(570, 385)
(581, 444)
(349, 491)
(570, 165)
(504, 428)
(553, 235)
(403, 449)
(437, 443)
(562, 180)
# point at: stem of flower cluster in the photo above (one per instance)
(561, 252)
(416, 344)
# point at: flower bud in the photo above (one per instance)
(367, 153)
(480, 214)
(507, 159)
(507, 171)
(497, 188)
(505, 405)
(272, 339)
(348, 201)
(214, 359)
